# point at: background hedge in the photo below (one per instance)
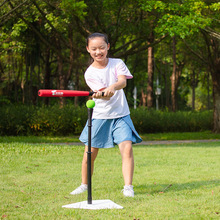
(70, 120)
(152, 121)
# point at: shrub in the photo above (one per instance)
(54, 120)
(69, 120)
(15, 119)
(151, 121)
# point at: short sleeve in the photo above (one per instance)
(94, 84)
(121, 69)
(93, 81)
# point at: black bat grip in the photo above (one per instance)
(91, 93)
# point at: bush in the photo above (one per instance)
(70, 120)
(15, 120)
(54, 120)
(151, 121)
(45, 120)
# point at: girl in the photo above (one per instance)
(111, 122)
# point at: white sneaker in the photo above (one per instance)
(128, 191)
(82, 188)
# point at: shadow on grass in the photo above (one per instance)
(163, 188)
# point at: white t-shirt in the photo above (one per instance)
(98, 79)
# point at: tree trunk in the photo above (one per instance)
(166, 87)
(194, 84)
(213, 57)
(177, 70)
(23, 84)
(73, 54)
(208, 89)
(20, 70)
(61, 79)
(47, 73)
(76, 86)
(1, 70)
(216, 96)
(27, 82)
(61, 83)
(32, 99)
(143, 98)
(216, 112)
(173, 78)
(150, 72)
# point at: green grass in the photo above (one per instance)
(38, 139)
(205, 135)
(146, 137)
(170, 181)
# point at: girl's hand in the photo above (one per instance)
(110, 91)
(99, 95)
(120, 84)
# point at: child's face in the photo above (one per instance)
(98, 49)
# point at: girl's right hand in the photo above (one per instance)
(99, 95)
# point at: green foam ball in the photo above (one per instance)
(90, 104)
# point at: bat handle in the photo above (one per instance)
(91, 93)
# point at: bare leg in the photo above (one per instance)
(84, 162)
(127, 161)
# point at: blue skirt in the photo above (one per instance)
(107, 133)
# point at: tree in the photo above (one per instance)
(185, 19)
(213, 48)
(211, 57)
(42, 44)
(51, 28)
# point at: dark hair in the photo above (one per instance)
(94, 35)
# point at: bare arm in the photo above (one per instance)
(110, 91)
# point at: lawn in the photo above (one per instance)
(170, 181)
(146, 137)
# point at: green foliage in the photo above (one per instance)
(15, 120)
(4, 100)
(40, 32)
(24, 120)
(74, 8)
(70, 120)
(18, 27)
(179, 19)
(56, 120)
(151, 121)
(201, 101)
